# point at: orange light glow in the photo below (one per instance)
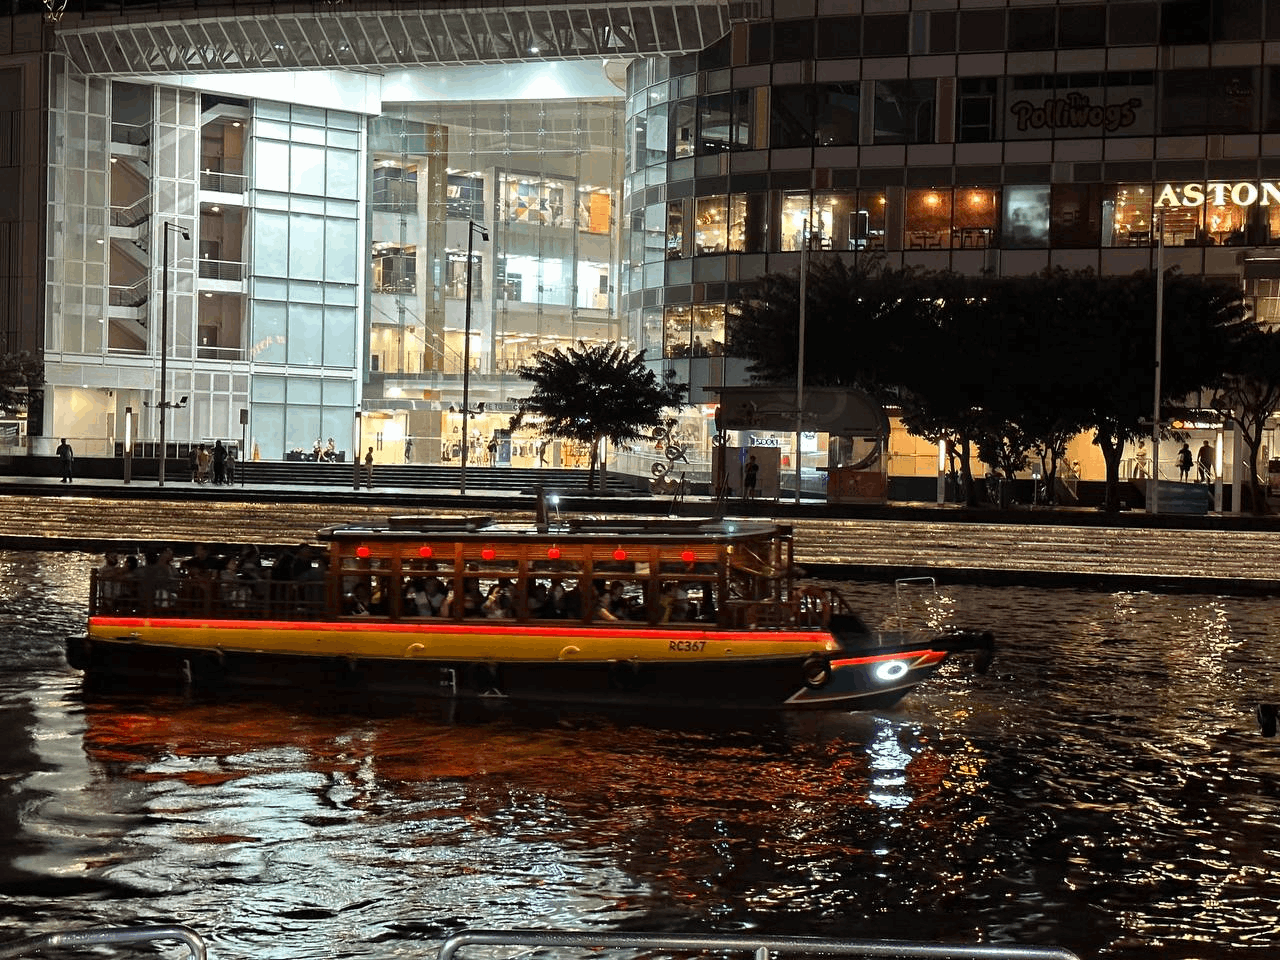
(687, 556)
(553, 553)
(619, 554)
(488, 553)
(362, 551)
(424, 551)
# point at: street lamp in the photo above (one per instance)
(164, 339)
(472, 229)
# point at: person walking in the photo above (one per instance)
(1204, 461)
(368, 468)
(749, 477)
(1184, 463)
(66, 457)
(219, 463)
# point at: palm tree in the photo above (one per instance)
(595, 393)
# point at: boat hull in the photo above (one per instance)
(703, 668)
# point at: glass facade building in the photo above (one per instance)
(975, 139)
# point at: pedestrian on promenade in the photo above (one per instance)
(368, 468)
(1184, 463)
(749, 477)
(66, 457)
(1204, 461)
(219, 462)
(408, 449)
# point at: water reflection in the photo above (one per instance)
(1103, 788)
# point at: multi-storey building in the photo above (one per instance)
(258, 217)
(633, 168)
(971, 136)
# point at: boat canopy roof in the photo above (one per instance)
(466, 528)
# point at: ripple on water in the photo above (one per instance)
(1103, 788)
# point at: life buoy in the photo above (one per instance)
(816, 672)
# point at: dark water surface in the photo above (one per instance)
(1104, 788)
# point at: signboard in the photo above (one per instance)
(844, 411)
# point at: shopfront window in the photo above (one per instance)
(676, 233)
(724, 122)
(904, 111)
(711, 222)
(677, 333)
(530, 199)
(975, 216)
(595, 209)
(684, 114)
(1026, 218)
(748, 222)
(1075, 219)
(393, 268)
(834, 217)
(836, 122)
(1126, 215)
(1225, 221)
(796, 210)
(928, 219)
(465, 198)
(456, 279)
(708, 330)
(651, 331)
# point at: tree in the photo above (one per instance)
(1248, 395)
(594, 393)
(852, 310)
(21, 377)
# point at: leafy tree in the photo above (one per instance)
(852, 310)
(21, 377)
(1248, 394)
(594, 393)
(1201, 318)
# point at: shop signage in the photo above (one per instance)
(757, 441)
(1073, 111)
(1242, 194)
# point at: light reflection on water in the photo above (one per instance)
(1103, 788)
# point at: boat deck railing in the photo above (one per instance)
(581, 944)
(589, 945)
(99, 936)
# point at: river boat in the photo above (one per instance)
(681, 613)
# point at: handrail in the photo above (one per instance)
(79, 938)
(763, 948)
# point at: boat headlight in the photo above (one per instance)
(890, 670)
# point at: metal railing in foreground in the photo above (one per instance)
(106, 935)
(758, 948)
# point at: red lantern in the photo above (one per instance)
(488, 553)
(687, 556)
(619, 554)
(424, 551)
(553, 553)
(362, 552)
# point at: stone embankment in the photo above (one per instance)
(952, 549)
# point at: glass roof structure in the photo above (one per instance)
(374, 36)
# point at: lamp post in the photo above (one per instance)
(804, 296)
(1153, 502)
(472, 228)
(128, 444)
(164, 339)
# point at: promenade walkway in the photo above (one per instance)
(1048, 547)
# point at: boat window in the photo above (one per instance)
(367, 587)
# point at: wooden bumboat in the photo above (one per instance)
(692, 614)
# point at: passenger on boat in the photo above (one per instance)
(235, 592)
(200, 564)
(620, 605)
(674, 602)
(111, 577)
(601, 596)
(360, 603)
(156, 580)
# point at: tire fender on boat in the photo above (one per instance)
(625, 675)
(816, 671)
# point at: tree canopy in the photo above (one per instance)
(21, 377)
(592, 393)
(1015, 366)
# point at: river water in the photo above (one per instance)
(1103, 788)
